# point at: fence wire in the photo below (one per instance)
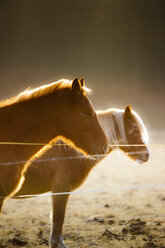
(91, 157)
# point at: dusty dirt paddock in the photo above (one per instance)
(130, 218)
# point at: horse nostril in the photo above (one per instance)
(139, 161)
(101, 151)
(143, 158)
(147, 157)
(105, 148)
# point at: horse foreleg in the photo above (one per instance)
(1, 204)
(59, 206)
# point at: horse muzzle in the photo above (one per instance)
(99, 152)
(143, 158)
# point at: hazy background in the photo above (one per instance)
(118, 46)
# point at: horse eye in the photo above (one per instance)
(88, 113)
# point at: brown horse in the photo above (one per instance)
(60, 169)
(39, 115)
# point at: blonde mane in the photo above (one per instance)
(40, 91)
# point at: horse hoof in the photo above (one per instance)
(58, 245)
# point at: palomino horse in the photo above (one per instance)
(53, 169)
(40, 115)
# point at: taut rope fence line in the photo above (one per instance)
(92, 157)
(59, 144)
(79, 157)
(92, 191)
(72, 157)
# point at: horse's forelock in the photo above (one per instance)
(141, 127)
(87, 90)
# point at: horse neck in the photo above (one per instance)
(33, 120)
(69, 153)
(113, 126)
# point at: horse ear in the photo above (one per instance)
(128, 110)
(82, 82)
(76, 86)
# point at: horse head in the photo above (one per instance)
(80, 123)
(136, 136)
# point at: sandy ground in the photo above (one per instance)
(125, 218)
